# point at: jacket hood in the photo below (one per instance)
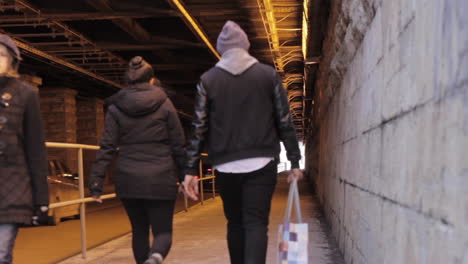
(236, 61)
(138, 99)
(232, 36)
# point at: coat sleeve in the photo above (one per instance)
(35, 150)
(199, 129)
(105, 154)
(286, 129)
(177, 138)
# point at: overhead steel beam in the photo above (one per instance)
(53, 59)
(62, 62)
(193, 25)
(157, 67)
(35, 24)
(130, 26)
(172, 41)
(90, 64)
(142, 46)
(57, 43)
(85, 55)
(34, 35)
(213, 13)
(13, 7)
(85, 16)
(28, 6)
(91, 59)
(203, 11)
(108, 47)
(75, 52)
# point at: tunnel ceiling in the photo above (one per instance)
(85, 44)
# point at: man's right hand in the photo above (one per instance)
(190, 185)
(295, 174)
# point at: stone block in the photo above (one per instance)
(373, 44)
(403, 88)
(446, 179)
(372, 243)
(451, 44)
(388, 234)
(390, 11)
(396, 130)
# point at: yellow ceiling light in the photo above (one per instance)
(195, 26)
(269, 22)
(305, 28)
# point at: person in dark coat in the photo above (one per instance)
(242, 112)
(143, 131)
(23, 158)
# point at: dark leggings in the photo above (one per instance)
(145, 213)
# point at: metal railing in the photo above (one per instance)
(204, 178)
(83, 200)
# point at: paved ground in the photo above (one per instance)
(199, 235)
(50, 244)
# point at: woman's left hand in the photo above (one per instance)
(97, 199)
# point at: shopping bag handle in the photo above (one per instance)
(293, 197)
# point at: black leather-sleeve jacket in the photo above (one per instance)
(199, 129)
(283, 122)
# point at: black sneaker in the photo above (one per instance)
(156, 258)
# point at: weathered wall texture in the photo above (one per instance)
(389, 151)
(68, 120)
(90, 120)
(58, 108)
(89, 127)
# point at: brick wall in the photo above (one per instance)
(58, 108)
(388, 153)
(90, 120)
(90, 124)
(68, 120)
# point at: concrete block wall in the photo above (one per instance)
(391, 134)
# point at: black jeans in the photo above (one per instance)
(247, 201)
(145, 213)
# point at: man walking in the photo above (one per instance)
(242, 109)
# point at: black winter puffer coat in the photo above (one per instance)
(142, 128)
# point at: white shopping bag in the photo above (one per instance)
(293, 238)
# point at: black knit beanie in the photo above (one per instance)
(139, 71)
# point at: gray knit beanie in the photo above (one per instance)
(8, 42)
(139, 71)
(232, 36)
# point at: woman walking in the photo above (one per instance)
(23, 158)
(143, 131)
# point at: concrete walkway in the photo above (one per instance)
(199, 235)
